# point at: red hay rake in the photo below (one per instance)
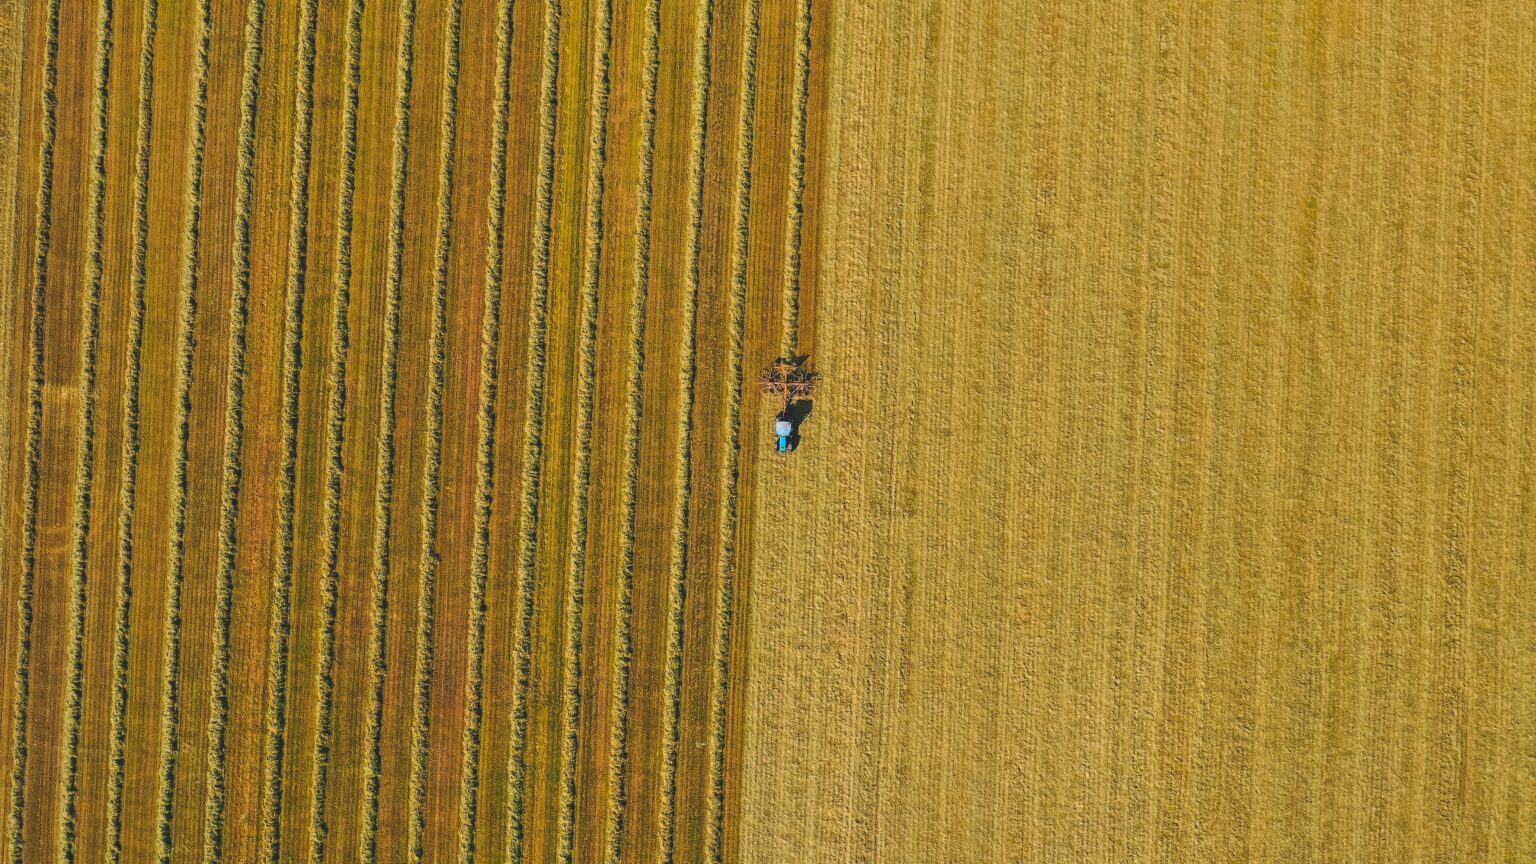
(788, 381)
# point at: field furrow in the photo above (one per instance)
(318, 319)
(275, 733)
(90, 345)
(36, 280)
(337, 387)
(494, 47)
(381, 565)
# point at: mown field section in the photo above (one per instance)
(377, 440)
(1172, 491)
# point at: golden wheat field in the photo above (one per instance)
(385, 476)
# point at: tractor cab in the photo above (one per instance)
(783, 429)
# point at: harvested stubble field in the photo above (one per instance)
(383, 480)
(373, 398)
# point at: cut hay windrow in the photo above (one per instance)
(170, 716)
(427, 598)
(131, 437)
(623, 648)
(538, 311)
(485, 459)
(279, 632)
(677, 589)
(336, 418)
(586, 375)
(34, 445)
(234, 419)
(385, 485)
(726, 565)
(796, 215)
(90, 343)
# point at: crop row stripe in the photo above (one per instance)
(427, 598)
(485, 468)
(538, 310)
(233, 435)
(89, 344)
(796, 198)
(725, 567)
(293, 336)
(384, 501)
(619, 721)
(170, 717)
(597, 157)
(119, 729)
(677, 594)
(34, 443)
(336, 411)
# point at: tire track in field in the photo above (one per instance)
(427, 598)
(586, 377)
(234, 437)
(726, 565)
(619, 722)
(336, 415)
(485, 472)
(677, 591)
(293, 337)
(89, 347)
(384, 500)
(129, 497)
(170, 714)
(533, 432)
(796, 216)
(33, 433)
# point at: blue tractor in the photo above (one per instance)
(790, 383)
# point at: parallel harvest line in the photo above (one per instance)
(485, 468)
(234, 438)
(170, 716)
(427, 598)
(293, 336)
(336, 417)
(89, 345)
(586, 356)
(619, 722)
(796, 214)
(34, 444)
(726, 565)
(126, 504)
(533, 430)
(385, 485)
(677, 593)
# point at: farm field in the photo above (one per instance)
(384, 478)
(1171, 494)
(378, 424)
